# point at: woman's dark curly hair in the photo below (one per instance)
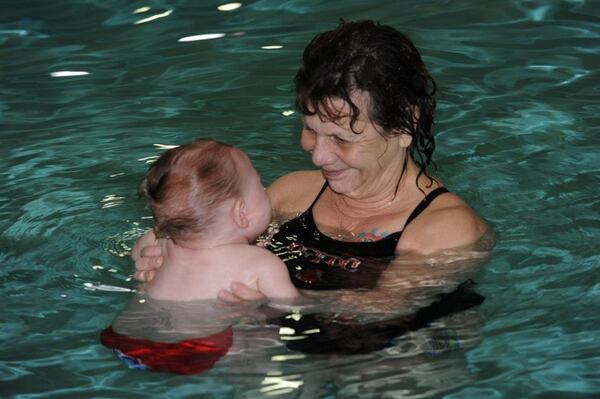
(377, 59)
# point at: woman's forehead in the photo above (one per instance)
(338, 105)
(338, 111)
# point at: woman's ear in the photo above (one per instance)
(415, 112)
(405, 137)
(402, 138)
(405, 140)
(240, 213)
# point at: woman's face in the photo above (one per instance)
(353, 164)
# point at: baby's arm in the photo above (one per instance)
(274, 279)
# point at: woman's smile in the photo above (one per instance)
(333, 174)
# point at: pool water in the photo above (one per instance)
(517, 136)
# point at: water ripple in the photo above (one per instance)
(516, 135)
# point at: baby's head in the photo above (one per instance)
(191, 188)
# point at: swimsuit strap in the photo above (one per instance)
(425, 203)
(318, 196)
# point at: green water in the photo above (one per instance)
(517, 136)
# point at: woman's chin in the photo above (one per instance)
(339, 186)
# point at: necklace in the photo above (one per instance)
(355, 227)
(348, 228)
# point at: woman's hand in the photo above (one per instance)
(239, 293)
(147, 255)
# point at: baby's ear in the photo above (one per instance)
(240, 214)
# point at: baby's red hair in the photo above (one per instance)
(186, 184)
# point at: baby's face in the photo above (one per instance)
(258, 204)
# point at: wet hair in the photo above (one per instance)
(379, 60)
(186, 184)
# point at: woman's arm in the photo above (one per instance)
(413, 281)
(448, 223)
(410, 281)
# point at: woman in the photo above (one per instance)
(367, 102)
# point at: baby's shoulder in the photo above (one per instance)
(252, 260)
(259, 255)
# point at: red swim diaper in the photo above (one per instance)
(190, 356)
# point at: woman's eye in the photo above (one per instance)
(340, 140)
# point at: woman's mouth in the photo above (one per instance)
(332, 174)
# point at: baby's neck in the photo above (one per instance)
(203, 243)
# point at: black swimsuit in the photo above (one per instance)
(317, 261)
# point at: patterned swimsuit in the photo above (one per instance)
(317, 261)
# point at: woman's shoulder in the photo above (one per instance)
(294, 192)
(448, 222)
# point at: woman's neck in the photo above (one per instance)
(391, 192)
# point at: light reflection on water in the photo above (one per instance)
(516, 135)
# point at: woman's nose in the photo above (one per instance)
(321, 152)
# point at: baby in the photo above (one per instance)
(209, 206)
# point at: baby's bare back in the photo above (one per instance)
(196, 274)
